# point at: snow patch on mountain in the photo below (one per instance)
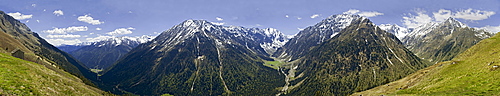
(116, 41)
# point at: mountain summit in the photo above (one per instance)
(314, 35)
(197, 58)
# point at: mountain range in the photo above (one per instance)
(341, 55)
(102, 54)
(197, 57)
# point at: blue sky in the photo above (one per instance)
(75, 21)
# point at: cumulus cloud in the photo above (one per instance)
(412, 21)
(442, 15)
(98, 38)
(493, 29)
(314, 16)
(468, 14)
(20, 16)
(66, 30)
(121, 31)
(98, 28)
(90, 20)
(363, 14)
(58, 42)
(287, 16)
(64, 36)
(58, 12)
(299, 18)
(218, 19)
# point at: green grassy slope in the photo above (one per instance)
(19, 77)
(470, 73)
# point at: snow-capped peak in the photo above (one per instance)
(330, 26)
(454, 22)
(395, 29)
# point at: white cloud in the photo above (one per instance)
(90, 20)
(363, 13)
(98, 28)
(218, 23)
(64, 36)
(299, 18)
(351, 11)
(314, 16)
(58, 12)
(58, 42)
(469, 14)
(98, 38)
(219, 19)
(287, 16)
(121, 31)
(20, 16)
(34, 5)
(472, 14)
(493, 29)
(442, 15)
(413, 21)
(370, 14)
(66, 30)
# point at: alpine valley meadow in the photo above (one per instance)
(342, 54)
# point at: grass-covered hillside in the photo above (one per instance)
(20, 77)
(474, 72)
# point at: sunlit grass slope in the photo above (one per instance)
(19, 77)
